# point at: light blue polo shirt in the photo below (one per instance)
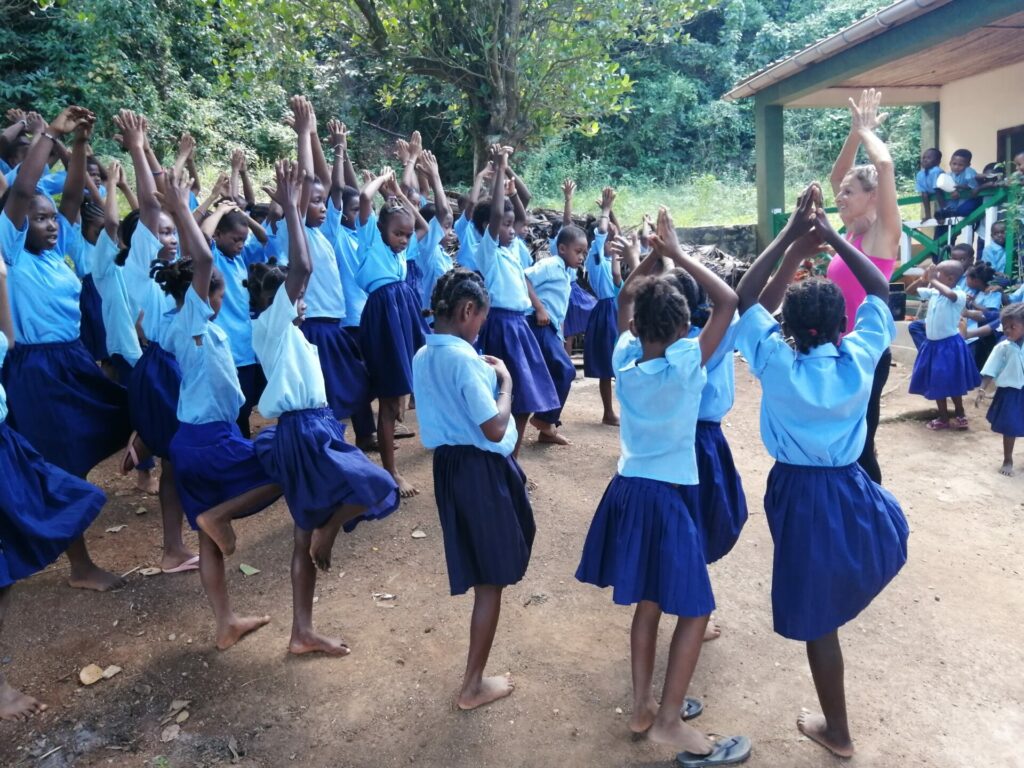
(456, 392)
(144, 294)
(599, 269)
(551, 281)
(324, 295)
(51, 182)
(234, 315)
(378, 264)
(924, 183)
(994, 255)
(813, 405)
(117, 314)
(432, 260)
(943, 318)
(469, 242)
(968, 177)
(659, 400)
(345, 242)
(253, 251)
(719, 391)
(1005, 365)
(503, 275)
(295, 381)
(523, 250)
(44, 288)
(209, 382)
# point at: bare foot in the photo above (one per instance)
(679, 735)
(816, 729)
(643, 717)
(553, 438)
(15, 705)
(712, 631)
(311, 642)
(368, 444)
(238, 628)
(175, 558)
(147, 482)
(1007, 469)
(220, 531)
(610, 419)
(490, 689)
(96, 579)
(405, 488)
(322, 542)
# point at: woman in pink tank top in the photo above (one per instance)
(867, 202)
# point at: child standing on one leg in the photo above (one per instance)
(602, 327)
(643, 541)
(328, 483)
(944, 367)
(551, 279)
(1005, 366)
(839, 536)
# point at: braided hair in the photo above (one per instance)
(263, 282)
(660, 312)
(125, 230)
(388, 212)
(175, 277)
(982, 271)
(695, 295)
(814, 313)
(455, 287)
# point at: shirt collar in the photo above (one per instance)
(448, 340)
(823, 350)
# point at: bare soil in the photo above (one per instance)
(933, 666)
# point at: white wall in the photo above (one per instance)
(973, 109)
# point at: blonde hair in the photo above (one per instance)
(867, 175)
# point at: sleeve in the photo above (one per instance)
(997, 360)
(71, 242)
(12, 240)
(627, 350)
(920, 183)
(759, 339)
(477, 397)
(1016, 296)
(728, 344)
(369, 238)
(597, 247)
(683, 358)
(426, 253)
(927, 293)
(541, 273)
(461, 225)
(272, 324)
(961, 301)
(523, 251)
(103, 256)
(332, 222)
(971, 178)
(196, 314)
(487, 252)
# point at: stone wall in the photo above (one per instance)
(739, 241)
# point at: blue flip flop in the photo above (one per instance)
(730, 751)
(691, 708)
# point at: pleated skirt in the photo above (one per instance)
(944, 368)
(391, 329)
(1006, 413)
(153, 389)
(345, 376)
(722, 510)
(506, 335)
(581, 304)
(599, 341)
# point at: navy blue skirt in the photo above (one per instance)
(559, 365)
(92, 330)
(1006, 414)
(390, 331)
(486, 518)
(722, 510)
(153, 389)
(213, 463)
(413, 275)
(599, 341)
(839, 539)
(42, 508)
(306, 454)
(944, 368)
(65, 407)
(581, 304)
(348, 385)
(644, 544)
(507, 336)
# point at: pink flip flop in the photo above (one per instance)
(960, 422)
(192, 564)
(937, 424)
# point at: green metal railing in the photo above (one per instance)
(1010, 195)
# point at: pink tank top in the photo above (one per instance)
(853, 293)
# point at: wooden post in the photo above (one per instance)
(930, 125)
(770, 167)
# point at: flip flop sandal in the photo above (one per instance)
(960, 422)
(691, 708)
(937, 424)
(192, 564)
(730, 751)
(131, 455)
(402, 431)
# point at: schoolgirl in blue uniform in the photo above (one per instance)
(465, 227)
(1005, 367)
(581, 302)
(59, 399)
(464, 404)
(644, 541)
(506, 334)
(217, 473)
(944, 367)
(151, 246)
(602, 327)
(43, 509)
(392, 327)
(839, 537)
(327, 482)
(431, 257)
(550, 279)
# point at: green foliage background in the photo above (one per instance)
(193, 64)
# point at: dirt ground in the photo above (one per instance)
(933, 666)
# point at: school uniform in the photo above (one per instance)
(305, 452)
(994, 255)
(485, 513)
(644, 541)
(550, 279)
(968, 177)
(155, 381)
(1006, 366)
(924, 182)
(122, 340)
(944, 367)
(432, 261)
(391, 328)
(603, 325)
(213, 463)
(59, 399)
(506, 335)
(722, 511)
(469, 242)
(839, 537)
(42, 508)
(581, 301)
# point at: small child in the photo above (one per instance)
(599, 341)
(944, 367)
(984, 300)
(464, 403)
(581, 302)
(964, 201)
(924, 184)
(552, 282)
(839, 536)
(644, 541)
(995, 249)
(1005, 366)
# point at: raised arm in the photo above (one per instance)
(499, 156)
(74, 183)
(111, 219)
(411, 155)
(936, 284)
(420, 225)
(247, 190)
(568, 189)
(518, 209)
(290, 182)
(154, 164)
(6, 322)
(323, 170)
(11, 134)
(649, 267)
(485, 174)
(428, 163)
(237, 157)
(525, 196)
(303, 119)
(621, 247)
(369, 192)
(607, 200)
(868, 275)
(865, 121)
(133, 137)
(193, 243)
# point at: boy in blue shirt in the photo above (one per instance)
(926, 178)
(995, 249)
(963, 200)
